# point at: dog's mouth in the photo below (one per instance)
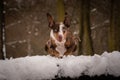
(60, 38)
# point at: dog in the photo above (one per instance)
(62, 42)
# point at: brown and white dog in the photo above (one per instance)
(62, 41)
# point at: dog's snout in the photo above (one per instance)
(60, 38)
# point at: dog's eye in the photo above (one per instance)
(64, 31)
(55, 30)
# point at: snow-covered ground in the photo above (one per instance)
(47, 67)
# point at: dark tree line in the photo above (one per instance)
(113, 28)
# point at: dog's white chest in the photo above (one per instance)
(61, 48)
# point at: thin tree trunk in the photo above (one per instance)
(86, 41)
(80, 25)
(118, 25)
(2, 32)
(60, 10)
(111, 30)
(116, 18)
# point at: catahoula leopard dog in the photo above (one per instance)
(62, 42)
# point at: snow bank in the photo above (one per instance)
(47, 67)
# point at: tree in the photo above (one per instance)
(2, 33)
(117, 30)
(81, 24)
(111, 29)
(86, 44)
(60, 10)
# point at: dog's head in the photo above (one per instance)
(58, 30)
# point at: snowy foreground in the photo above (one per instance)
(47, 67)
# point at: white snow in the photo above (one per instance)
(47, 67)
(4, 11)
(93, 10)
(4, 2)
(100, 25)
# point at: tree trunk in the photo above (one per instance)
(111, 29)
(87, 48)
(117, 24)
(60, 10)
(1, 31)
(2, 26)
(80, 25)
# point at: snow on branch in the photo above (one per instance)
(47, 67)
(100, 25)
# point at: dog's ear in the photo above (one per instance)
(66, 20)
(50, 20)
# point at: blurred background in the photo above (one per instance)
(24, 26)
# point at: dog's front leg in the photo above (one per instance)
(68, 52)
(70, 49)
(55, 53)
(50, 47)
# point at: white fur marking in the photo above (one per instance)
(61, 48)
(61, 29)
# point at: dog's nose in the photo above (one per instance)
(60, 38)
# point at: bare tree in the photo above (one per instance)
(60, 10)
(111, 29)
(2, 32)
(86, 44)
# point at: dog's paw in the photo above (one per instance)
(60, 57)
